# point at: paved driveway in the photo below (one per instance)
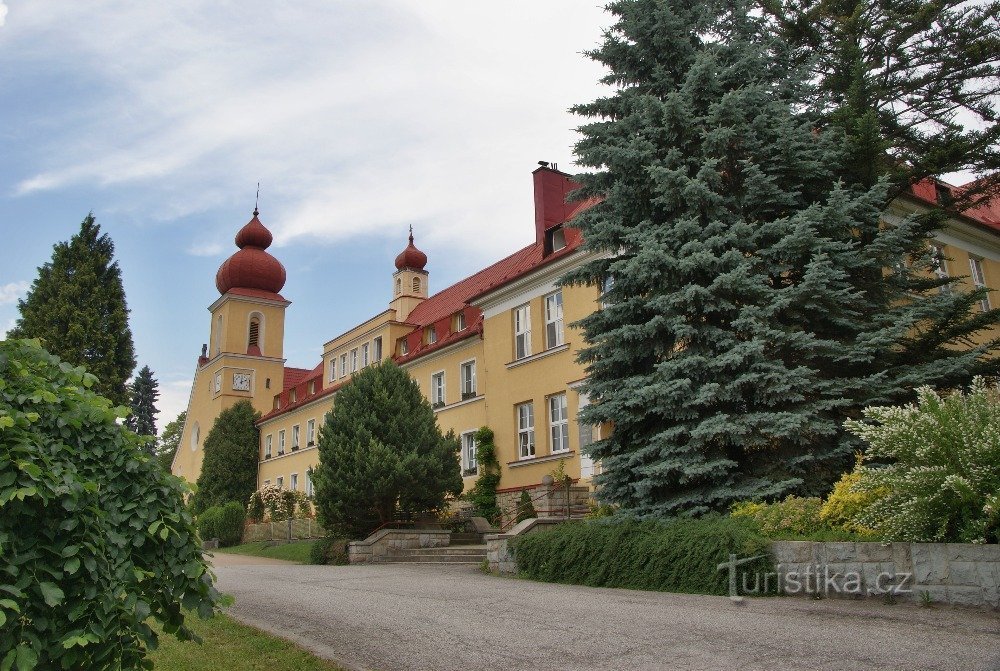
(395, 617)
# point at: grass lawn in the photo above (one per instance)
(227, 644)
(297, 551)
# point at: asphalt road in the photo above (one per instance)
(452, 618)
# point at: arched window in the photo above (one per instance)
(399, 286)
(218, 335)
(255, 333)
(416, 285)
(195, 437)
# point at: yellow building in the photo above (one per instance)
(495, 349)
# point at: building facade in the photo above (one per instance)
(496, 349)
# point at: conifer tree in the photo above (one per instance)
(143, 393)
(381, 452)
(77, 307)
(714, 223)
(229, 471)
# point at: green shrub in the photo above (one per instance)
(845, 503)
(232, 521)
(525, 508)
(942, 480)
(95, 541)
(329, 550)
(795, 516)
(680, 555)
(483, 495)
(208, 523)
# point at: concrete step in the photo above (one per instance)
(449, 554)
(435, 559)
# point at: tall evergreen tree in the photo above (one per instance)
(381, 452)
(143, 394)
(77, 306)
(232, 449)
(713, 222)
(170, 439)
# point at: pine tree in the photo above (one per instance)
(913, 87)
(382, 453)
(170, 439)
(714, 223)
(229, 471)
(143, 394)
(77, 307)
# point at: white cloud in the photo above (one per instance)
(10, 292)
(3, 14)
(356, 119)
(206, 249)
(173, 401)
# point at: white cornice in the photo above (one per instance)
(533, 284)
(431, 356)
(956, 232)
(246, 299)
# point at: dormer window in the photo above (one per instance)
(312, 386)
(459, 322)
(555, 239)
(431, 334)
(404, 347)
(944, 195)
(291, 396)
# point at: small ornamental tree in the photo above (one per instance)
(94, 537)
(381, 453)
(229, 472)
(483, 494)
(942, 479)
(143, 393)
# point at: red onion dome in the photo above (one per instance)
(411, 258)
(251, 267)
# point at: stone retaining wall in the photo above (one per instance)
(498, 551)
(955, 573)
(379, 545)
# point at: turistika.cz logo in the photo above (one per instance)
(814, 580)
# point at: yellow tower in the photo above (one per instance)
(244, 355)
(409, 282)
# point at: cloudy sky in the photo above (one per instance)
(358, 118)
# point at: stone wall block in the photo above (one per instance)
(872, 552)
(964, 573)
(930, 563)
(972, 552)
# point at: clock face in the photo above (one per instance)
(241, 381)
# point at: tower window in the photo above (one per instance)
(416, 285)
(254, 339)
(399, 286)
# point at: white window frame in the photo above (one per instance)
(941, 271)
(311, 433)
(296, 433)
(293, 481)
(438, 390)
(522, 331)
(281, 442)
(558, 423)
(279, 482)
(377, 349)
(365, 352)
(553, 308)
(979, 279)
(309, 483)
(587, 433)
(460, 323)
(354, 360)
(469, 465)
(333, 369)
(432, 335)
(606, 285)
(468, 391)
(268, 442)
(343, 365)
(525, 414)
(404, 347)
(218, 382)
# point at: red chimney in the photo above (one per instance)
(551, 208)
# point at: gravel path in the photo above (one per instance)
(416, 617)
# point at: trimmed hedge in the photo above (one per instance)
(679, 555)
(329, 550)
(223, 522)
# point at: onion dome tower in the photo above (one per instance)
(252, 268)
(409, 282)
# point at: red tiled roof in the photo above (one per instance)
(256, 293)
(293, 376)
(986, 213)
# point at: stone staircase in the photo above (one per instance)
(448, 554)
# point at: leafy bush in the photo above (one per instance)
(525, 508)
(794, 516)
(208, 523)
(329, 550)
(942, 480)
(483, 494)
(680, 555)
(232, 521)
(94, 537)
(271, 503)
(845, 503)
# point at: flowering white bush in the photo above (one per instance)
(272, 503)
(936, 466)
